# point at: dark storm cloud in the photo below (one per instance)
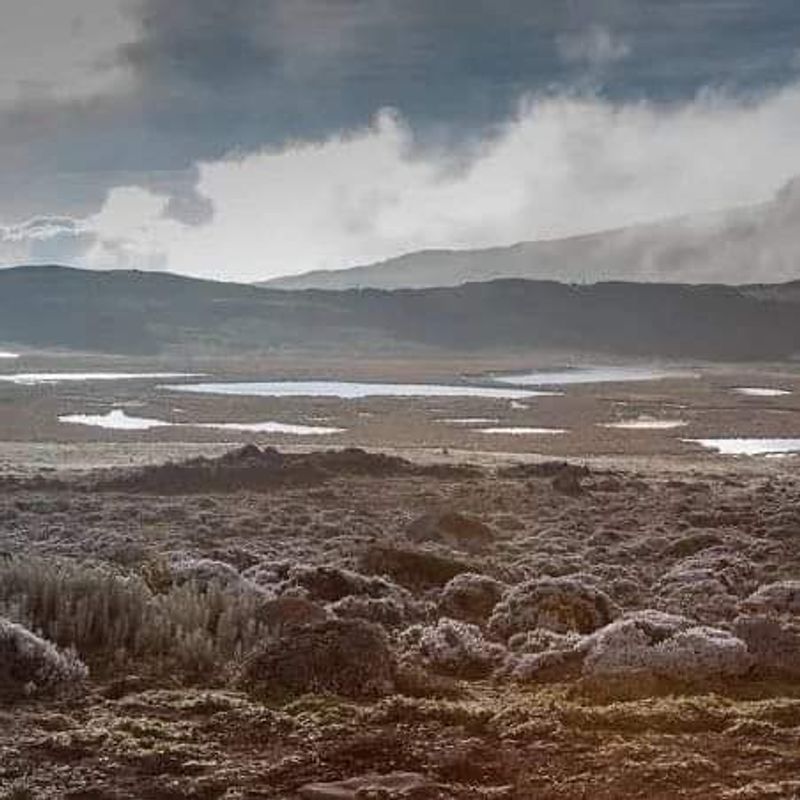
(207, 77)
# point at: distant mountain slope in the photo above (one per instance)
(145, 312)
(759, 243)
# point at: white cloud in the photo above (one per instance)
(562, 166)
(62, 49)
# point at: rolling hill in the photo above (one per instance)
(150, 313)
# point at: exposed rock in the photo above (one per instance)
(346, 657)
(471, 597)
(459, 531)
(558, 604)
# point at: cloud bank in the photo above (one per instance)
(561, 166)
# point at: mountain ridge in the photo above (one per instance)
(736, 246)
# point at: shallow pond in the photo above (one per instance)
(749, 447)
(350, 390)
(757, 391)
(520, 431)
(118, 420)
(35, 378)
(645, 424)
(581, 375)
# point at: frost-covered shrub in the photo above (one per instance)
(471, 597)
(706, 586)
(558, 604)
(541, 640)
(391, 612)
(454, 648)
(267, 574)
(665, 646)
(773, 641)
(542, 655)
(31, 665)
(203, 572)
(782, 597)
(347, 657)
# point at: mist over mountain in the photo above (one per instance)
(156, 313)
(743, 245)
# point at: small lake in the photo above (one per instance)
(350, 390)
(757, 391)
(36, 378)
(580, 375)
(118, 420)
(749, 447)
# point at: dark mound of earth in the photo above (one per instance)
(252, 468)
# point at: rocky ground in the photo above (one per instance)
(342, 625)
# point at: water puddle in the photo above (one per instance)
(470, 420)
(118, 420)
(581, 375)
(8, 355)
(270, 427)
(757, 391)
(37, 378)
(524, 431)
(749, 447)
(645, 424)
(347, 390)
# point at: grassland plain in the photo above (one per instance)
(270, 625)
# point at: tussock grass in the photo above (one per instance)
(116, 620)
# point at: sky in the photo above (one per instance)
(245, 139)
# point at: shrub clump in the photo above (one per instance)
(345, 657)
(471, 597)
(30, 665)
(665, 646)
(557, 604)
(770, 625)
(454, 648)
(780, 598)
